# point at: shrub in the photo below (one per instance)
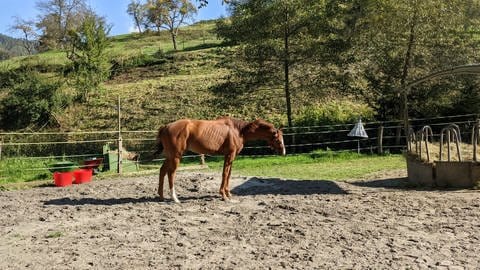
(29, 101)
(333, 112)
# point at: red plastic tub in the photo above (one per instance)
(62, 179)
(82, 176)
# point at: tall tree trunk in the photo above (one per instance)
(137, 22)
(26, 43)
(286, 64)
(409, 52)
(174, 40)
(403, 105)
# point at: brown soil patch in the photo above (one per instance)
(272, 223)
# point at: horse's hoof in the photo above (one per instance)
(230, 200)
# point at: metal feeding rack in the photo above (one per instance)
(454, 173)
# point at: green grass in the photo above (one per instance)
(24, 170)
(190, 38)
(319, 165)
(325, 165)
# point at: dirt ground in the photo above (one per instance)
(374, 223)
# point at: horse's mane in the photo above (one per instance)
(259, 124)
(244, 126)
(237, 123)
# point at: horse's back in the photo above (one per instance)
(201, 136)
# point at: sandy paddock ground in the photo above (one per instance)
(375, 223)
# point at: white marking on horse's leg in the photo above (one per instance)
(174, 195)
(284, 150)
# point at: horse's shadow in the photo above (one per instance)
(116, 201)
(253, 186)
(275, 186)
(96, 201)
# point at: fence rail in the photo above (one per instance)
(383, 136)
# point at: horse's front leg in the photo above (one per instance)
(161, 179)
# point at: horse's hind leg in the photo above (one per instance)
(227, 184)
(172, 171)
(227, 169)
(161, 179)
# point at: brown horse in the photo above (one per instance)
(223, 136)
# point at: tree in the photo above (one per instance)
(87, 53)
(204, 3)
(27, 28)
(286, 45)
(398, 41)
(138, 13)
(56, 18)
(170, 15)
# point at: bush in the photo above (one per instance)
(123, 64)
(333, 112)
(29, 101)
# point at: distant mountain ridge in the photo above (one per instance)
(10, 47)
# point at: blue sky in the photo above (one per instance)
(113, 10)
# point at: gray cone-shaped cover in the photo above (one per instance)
(358, 130)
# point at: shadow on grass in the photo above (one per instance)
(275, 186)
(201, 46)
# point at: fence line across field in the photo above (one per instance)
(145, 151)
(295, 144)
(287, 128)
(152, 139)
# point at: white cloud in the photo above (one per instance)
(132, 29)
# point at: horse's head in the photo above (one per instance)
(276, 143)
(261, 129)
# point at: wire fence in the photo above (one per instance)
(384, 137)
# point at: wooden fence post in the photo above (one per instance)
(294, 148)
(380, 140)
(202, 159)
(398, 135)
(120, 142)
(120, 147)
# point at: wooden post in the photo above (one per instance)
(398, 136)
(406, 125)
(380, 140)
(120, 147)
(294, 147)
(202, 159)
(120, 142)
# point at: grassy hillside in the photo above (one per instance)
(157, 85)
(11, 46)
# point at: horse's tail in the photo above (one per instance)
(159, 144)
